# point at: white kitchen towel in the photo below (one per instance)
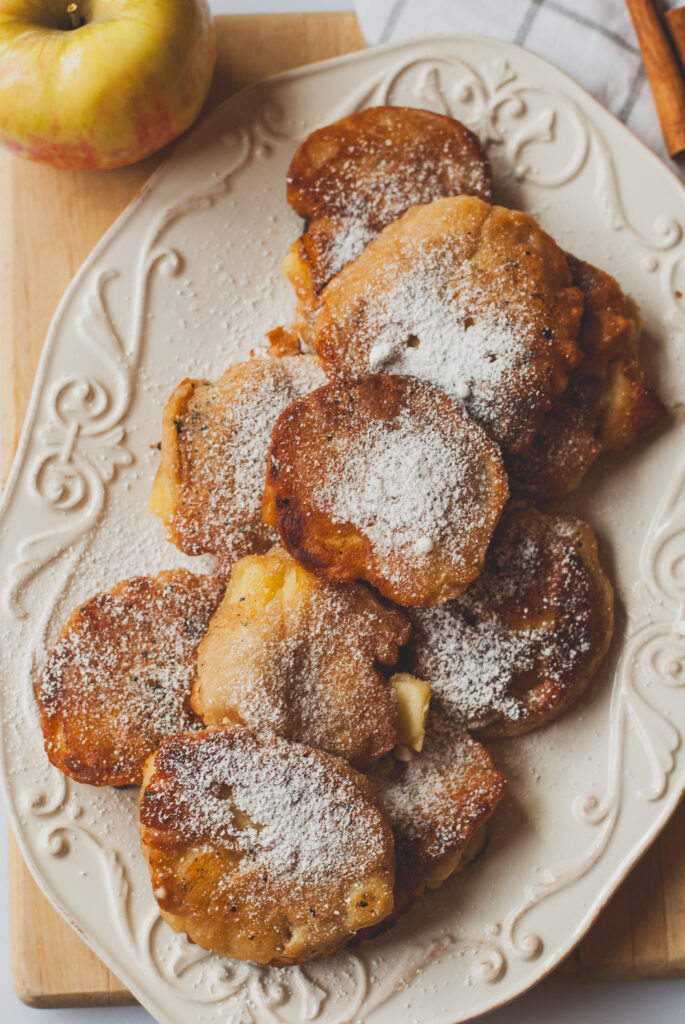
(592, 40)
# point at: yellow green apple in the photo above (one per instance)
(101, 83)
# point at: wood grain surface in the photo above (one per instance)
(49, 221)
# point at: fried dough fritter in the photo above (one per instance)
(264, 850)
(283, 341)
(291, 654)
(352, 178)
(609, 403)
(388, 480)
(476, 299)
(215, 439)
(438, 803)
(522, 643)
(118, 681)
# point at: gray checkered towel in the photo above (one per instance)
(592, 40)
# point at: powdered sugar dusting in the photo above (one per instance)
(256, 410)
(307, 668)
(224, 439)
(364, 215)
(436, 800)
(310, 822)
(421, 326)
(122, 673)
(408, 485)
(379, 162)
(352, 235)
(473, 653)
(471, 667)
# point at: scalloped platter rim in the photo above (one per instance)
(186, 282)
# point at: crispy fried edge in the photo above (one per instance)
(297, 266)
(291, 526)
(360, 762)
(295, 188)
(585, 544)
(165, 495)
(178, 922)
(451, 863)
(483, 217)
(96, 774)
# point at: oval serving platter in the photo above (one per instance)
(186, 282)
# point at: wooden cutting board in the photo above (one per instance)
(641, 933)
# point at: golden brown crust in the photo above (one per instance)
(437, 803)
(475, 298)
(215, 438)
(385, 479)
(263, 850)
(609, 403)
(523, 642)
(118, 681)
(351, 178)
(283, 341)
(295, 655)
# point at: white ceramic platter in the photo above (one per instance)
(186, 283)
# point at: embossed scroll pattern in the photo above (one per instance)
(82, 445)
(81, 426)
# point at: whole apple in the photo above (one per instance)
(101, 83)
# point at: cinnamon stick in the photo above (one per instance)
(675, 23)
(663, 71)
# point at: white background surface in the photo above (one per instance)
(562, 1003)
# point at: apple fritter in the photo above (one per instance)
(262, 849)
(609, 403)
(291, 654)
(523, 642)
(438, 802)
(352, 178)
(476, 299)
(388, 480)
(118, 681)
(215, 439)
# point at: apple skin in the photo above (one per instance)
(130, 79)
